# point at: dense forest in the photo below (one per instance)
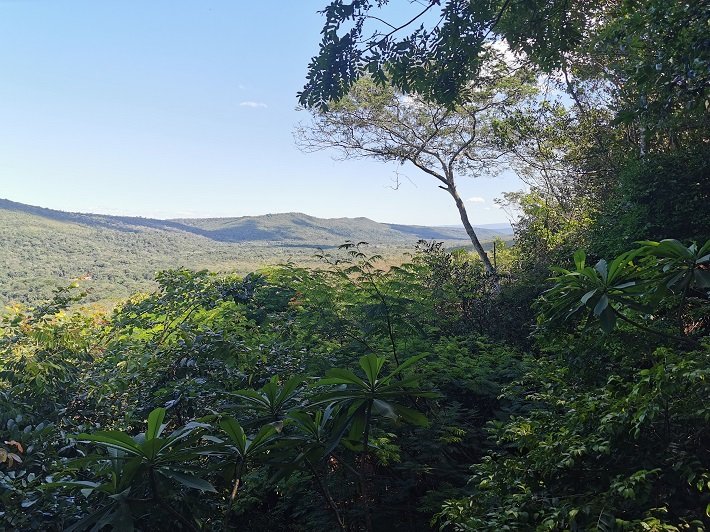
(116, 256)
(564, 387)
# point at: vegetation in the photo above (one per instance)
(351, 397)
(114, 257)
(445, 143)
(566, 392)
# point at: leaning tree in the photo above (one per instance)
(444, 141)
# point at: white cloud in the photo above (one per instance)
(253, 105)
(476, 199)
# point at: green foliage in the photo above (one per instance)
(376, 394)
(623, 455)
(635, 211)
(113, 257)
(141, 473)
(636, 280)
(253, 376)
(440, 60)
(617, 441)
(345, 397)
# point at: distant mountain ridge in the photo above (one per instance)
(293, 227)
(41, 249)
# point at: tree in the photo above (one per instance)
(438, 56)
(445, 142)
(654, 52)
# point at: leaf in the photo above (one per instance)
(371, 365)
(601, 305)
(114, 439)
(704, 251)
(673, 248)
(70, 484)
(702, 278)
(405, 365)
(341, 376)
(586, 297)
(155, 424)
(190, 481)
(607, 320)
(601, 267)
(579, 259)
(383, 408)
(235, 432)
(412, 416)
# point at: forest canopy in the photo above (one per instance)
(567, 390)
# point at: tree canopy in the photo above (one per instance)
(651, 54)
(439, 49)
(443, 142)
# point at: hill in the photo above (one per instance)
(41, 249)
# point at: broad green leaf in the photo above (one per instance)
(607, 320)
(586, 297)
(262, 438)
(190, 481)
(601, 305)
(384, 409)
(405, 365)
(372, 365)
(412, 416)
(579, 259)
(155, 423)
(341, 376)
(673, 248)
(601, 267)
(235, 432)
(83, 484)
(112, 438)
(151, 448)
(702, 278)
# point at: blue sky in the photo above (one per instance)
(185, 108)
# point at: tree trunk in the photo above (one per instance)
(451, 189)
(365, 469)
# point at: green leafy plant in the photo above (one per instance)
(241, 450)
(635, 280)
(361, 399)
(272, 402)
(141, 470)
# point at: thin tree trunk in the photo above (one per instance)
(451, 189)
(365, 466)
(326, 494)
(238, 472)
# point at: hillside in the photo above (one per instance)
(41, 249)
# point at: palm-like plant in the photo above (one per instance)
(139, 467)
(637, 280)
(681, 267)
(315, 437)
(597, 288)
(242, 450)
(373, 394)
(272, 401)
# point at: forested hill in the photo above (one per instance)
(41, 249)
(287, 228)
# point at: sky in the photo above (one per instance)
(186, 108)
